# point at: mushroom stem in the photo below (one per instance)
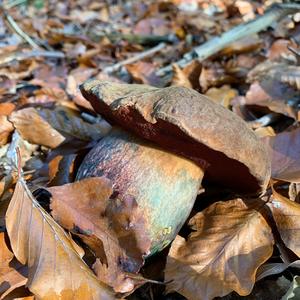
(163, 184)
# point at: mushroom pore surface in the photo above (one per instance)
(163, 184)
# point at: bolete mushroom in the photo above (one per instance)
(176, 136)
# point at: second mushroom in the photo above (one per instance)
(165, 141)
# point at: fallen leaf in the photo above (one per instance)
(33, 128)
(247, 44)
(269, 269)
(279, 49)
(6, 128)
(6, 108)
(286, 214)
(69, 124)
(284, 152)
(265, 131)
(219, 257)
(12, 273)
(179, 77)
(272, 94)
(143, 72)
(61, 169)
(84, 207)
(55, 269)
(222, 95)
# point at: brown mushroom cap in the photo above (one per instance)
(190, 124)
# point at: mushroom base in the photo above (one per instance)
(164, 185)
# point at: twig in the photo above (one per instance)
(133, 59)
(5, 59)
(211, 47)
(14, 3)
(116, 36)
(18, 30)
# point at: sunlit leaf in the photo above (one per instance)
(231, 240)
(86, 208)
(12, 273)
(35, 129)
(55, 269)
(284, 153)
(287, 217)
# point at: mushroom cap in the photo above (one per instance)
(187, 123)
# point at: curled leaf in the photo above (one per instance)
(114, 230)
(35, 129)
(231, 240)
(55, 269)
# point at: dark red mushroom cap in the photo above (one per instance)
(187, 123)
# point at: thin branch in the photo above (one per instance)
(18, 30)
(14, 3)
(19, 56)
(213, 46)
(133, 59)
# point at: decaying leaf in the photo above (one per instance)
(287, 215)
(61, 169)
(284, 153)
(55, 269)
(6, 108)
(34, 129)
(180, 78)
(144, 72)
(110, 225)
(68, 124)
(6, 128)
(231, 240)
(222, 95)
(12, 273)
(292, 77)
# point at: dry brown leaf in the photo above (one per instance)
(193, 71)
(61, 169)
(143, 72)
(6, 108)
(231, 240)
(179, 77)
(272, 94)
(84, 207)
(69, 124)
(284, 153)
(287, 217)
(33, 128)
(215, 75)
(12, 273)
(248, 44)
(279, 48)
(265, 131)
(292, 77)
(6, 128)
(55, 269)
(222, 95)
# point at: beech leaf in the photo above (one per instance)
(287, 217)
(85, 207)
(11, 271)
(34, 129)
(284, 153)
(68, 123)
(55, 269)
(231, 240)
